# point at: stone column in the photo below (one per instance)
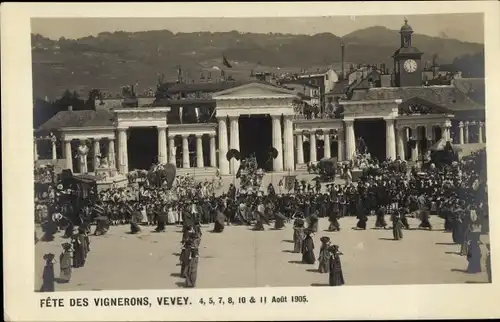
(234, 142)
(213, 152)
(35, 149)
(300, 148)
(340, 145)
(390, 145)
(429, 134)
(466, 134)
(199, 152)
(173, 150)
(162, 145)
(97, 153)
(277, 143)
(111, 153)
(312, 146)
(185, 152)
(122, 151)
(401, 132)
(288, 140)
(54, 149)
(68, 154)
(328, 151)
(461, 132)
(480, 132)
(350, 140)
(223, 148)
(414, 149)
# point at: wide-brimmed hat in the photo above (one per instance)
(325, 239)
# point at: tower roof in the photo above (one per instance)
(406, 28)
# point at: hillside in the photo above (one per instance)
(111, 60)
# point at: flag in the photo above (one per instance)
(225, 62)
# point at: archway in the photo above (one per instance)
(256, 138)
(142, 147)
(372, 131)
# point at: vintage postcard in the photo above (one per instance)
(253, 161)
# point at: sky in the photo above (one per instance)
(465, 27)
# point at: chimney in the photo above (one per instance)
(70, 108)
(351, 68)
(342, 52)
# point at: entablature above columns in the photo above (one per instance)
(318, 124)
(141, 116)
(386, 109)
(412, 121)
(192, 129)
(86, 133)
(272, 105)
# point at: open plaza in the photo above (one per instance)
(240, 257)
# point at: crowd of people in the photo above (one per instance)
(457, 193)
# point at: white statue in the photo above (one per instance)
(83, 150)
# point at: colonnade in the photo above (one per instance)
(287, 141)
(282, 141)
(464, 132)
(312, 137)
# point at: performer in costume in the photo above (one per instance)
(48, 274)
(134, 218)
(361, 215)
(161, 219)
(219, 222)
(324, 255)
(474, 254)
(308, 256)
(397, 226)
(313, 222)
(424, 219)
(336, 277)
(79, 251)
(192, 267)
(298, 234)
(279, 220)
(380, 221)
(65, 263)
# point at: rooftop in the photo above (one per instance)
(83, 118)
(447, 96)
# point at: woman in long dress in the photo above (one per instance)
(48, 274)
(397, 227)
(336, 277)
(324, 255)
(298, 235)
(219, 222)
(192, 267)
(65, 263)
(171, 218)
(308, 256)
(474, 254)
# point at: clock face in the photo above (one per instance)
(410, 66)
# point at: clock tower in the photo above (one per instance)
(407, 60)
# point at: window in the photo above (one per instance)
(326, 76)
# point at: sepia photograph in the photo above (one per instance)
(213, 153)
(249, 161)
